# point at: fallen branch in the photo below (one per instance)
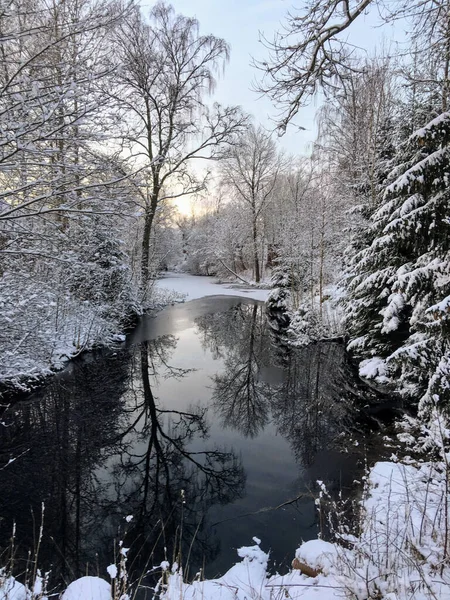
(233, 273)
(266, 509)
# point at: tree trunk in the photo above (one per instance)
(446, 68)
(145, 249)
(312, 270)
(145, 245)
(255, 250)
(321, 262)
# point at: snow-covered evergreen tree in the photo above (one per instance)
(399, 290)
(100, 272)
(278, 302)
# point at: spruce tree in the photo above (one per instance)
(399, 290)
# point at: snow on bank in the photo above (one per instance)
(42, 327)
(192, 287)
(11, 589)
(402, 552)
(88, 588)
(403, 549)
(248, 580)
(38, 345)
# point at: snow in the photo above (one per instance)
(415, 173)
(36, 339)
(441, 119)
(40, 585)
(373, 368)
(10, 589)
(404, 530)
(317, 554)
(391, 312)
(112, 571)
(194, 287)
(88, 588)
(248, 580)
(245, 580)
(443, 306)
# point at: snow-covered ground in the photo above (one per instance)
(401, 552)
(248, 579)
(40, 333)
(194, 286)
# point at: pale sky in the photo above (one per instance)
(239, 23)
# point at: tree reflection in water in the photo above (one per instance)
(240, 397)
(97, 446)
(311, 399)
(161, 478)
(62, 435)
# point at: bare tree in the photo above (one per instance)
(51, 110)
(57, 176)
(308, 54)
(355, 131)
(166, 71)
(251, 173)
(311, 54)
(431, 48)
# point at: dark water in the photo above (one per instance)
(200, 426)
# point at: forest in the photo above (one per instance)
(108, 122)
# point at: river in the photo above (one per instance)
(203, 427)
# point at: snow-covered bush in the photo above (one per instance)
(42, 325)
(305, 327)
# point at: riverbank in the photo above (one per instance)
(399, 553)
(58, 334)
(22, 373)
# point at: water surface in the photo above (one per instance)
(203, 426)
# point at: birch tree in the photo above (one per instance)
(51, 110)
(166, 72)
(356, 132)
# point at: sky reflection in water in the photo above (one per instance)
(201, 399)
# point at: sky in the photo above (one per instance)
(240, 23)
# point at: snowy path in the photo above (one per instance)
(195, 286)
